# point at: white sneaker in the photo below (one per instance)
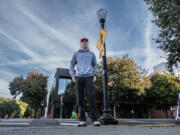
(96, 123)
(82, 123)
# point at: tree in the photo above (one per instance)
(167, 16)
(23, 108)
(8, 108)
(126, 80)
(15, 86)
(33, 89)
(70, 89)
(12, 108)
(163, 92)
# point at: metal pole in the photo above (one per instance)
(61, 110)
(104, 74)
(61, 107)
(107, 117)
(177, 112)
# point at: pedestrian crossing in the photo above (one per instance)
(15, 122)
(67, 122)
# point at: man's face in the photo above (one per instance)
(84, 44)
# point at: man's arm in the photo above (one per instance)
(71, 69)
(94, 62)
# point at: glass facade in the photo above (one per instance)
(63, 83)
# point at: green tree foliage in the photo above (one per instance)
(163, 92)
(33, 89)
(12, 108)
(126, 80)
(16, 86)
(99, 83)
(23, 108)
(167, 17)
(70, 89)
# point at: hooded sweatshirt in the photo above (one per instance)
(85, 62)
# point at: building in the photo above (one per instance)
(176, 69)
(162, 67)
(61, 98)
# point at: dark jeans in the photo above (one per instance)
(86, 85)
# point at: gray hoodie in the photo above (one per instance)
(85, 62)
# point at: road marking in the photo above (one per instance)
(68, 124)
(6, 123)
(22, 120)
(137, 121)
(157, 125)
(151, 122)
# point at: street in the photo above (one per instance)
(90, 130)
(69, 127)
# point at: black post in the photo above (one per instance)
(107, 117)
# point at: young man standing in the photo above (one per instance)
(84, 77)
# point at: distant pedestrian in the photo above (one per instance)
(86, 115)
(73, 115)
(6, 116)
(132, 112)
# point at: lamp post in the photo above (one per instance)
(106, 118)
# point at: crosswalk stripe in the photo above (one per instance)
(6, 123)
(68, 124)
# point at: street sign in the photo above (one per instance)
(61, 98)
(101, 40)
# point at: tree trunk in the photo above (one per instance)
(35, 113)
(114, 110)
(31, 112)
(166, 113)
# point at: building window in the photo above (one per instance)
(62, 85)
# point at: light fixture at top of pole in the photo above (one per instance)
(102, 14)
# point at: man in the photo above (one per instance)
(84, 77)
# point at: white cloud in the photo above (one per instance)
(48, 46)
(4, 82)
(20, 45)
(4, 92)
(36, 61)
(152, 55)
(50, 31)
(51, 45)
(115, 53)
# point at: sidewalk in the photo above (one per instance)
(73, 122)
(90, 130)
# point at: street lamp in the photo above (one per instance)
(106, 118)
(101, 14)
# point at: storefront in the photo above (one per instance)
(62, 96)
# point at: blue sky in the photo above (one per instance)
(41, 35)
